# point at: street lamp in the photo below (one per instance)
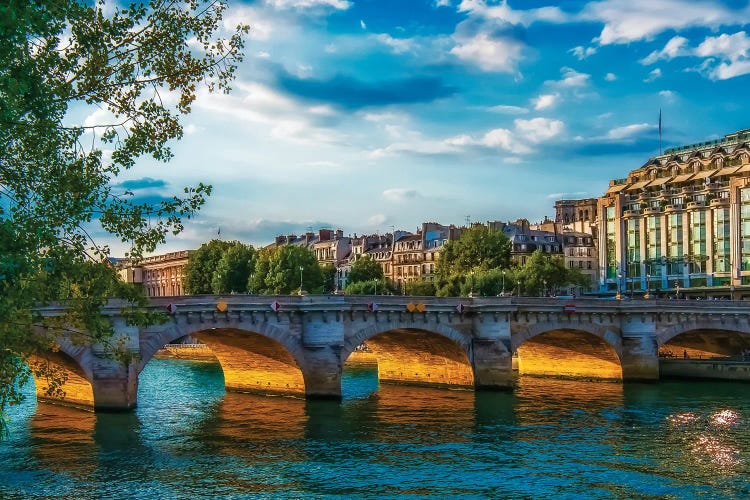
(619, 284)
(519, 288)
(503, 292)
(300, 279)
(648, 286)
(376, 286)
(471, 293)
(250, 287)
(544, 291)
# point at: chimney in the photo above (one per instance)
(339, 234)
(325, 234)
(280, 240)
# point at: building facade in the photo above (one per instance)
(681, 221)
(160, 275)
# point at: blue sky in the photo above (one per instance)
(370, 114)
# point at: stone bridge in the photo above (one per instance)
(298, 345)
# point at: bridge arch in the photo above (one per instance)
(669, 332)
(261, 357)
(704, 339)
(69, 364)
(407, 353)
(578, 350)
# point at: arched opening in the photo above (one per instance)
(569, 353)
(252, 362)
(707, 344)
(60, 379)
(418, 357)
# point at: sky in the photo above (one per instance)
(369, 115)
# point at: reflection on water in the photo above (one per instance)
(550, 438)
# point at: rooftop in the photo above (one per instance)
(728, 140)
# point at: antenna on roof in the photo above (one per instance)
(659, 131)
(467, 218)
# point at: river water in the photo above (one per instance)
(190, 439)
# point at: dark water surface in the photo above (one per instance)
(551, 438)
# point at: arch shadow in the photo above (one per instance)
(437, 356)
(592, 352)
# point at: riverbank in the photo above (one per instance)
(192, 352)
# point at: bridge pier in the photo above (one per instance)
(115, 387)
(322, 372)
(492, 365)
(640, 352)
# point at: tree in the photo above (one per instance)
(256, 283)
(202, 264)
(371, 287)
(329, 278)
(234, 269)
(57, 185)
(421, 288)
(365, 269)
(478, 248)
(288, 266)
(542, 274)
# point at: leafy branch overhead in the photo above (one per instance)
(138, 71)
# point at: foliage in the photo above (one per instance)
(372, 287)
(234, 269)
(62, 59)
(421, 288)
(545, 274)
(284, 275)
(365, 269)
(199, 271)
(329, 278)
(256, 283)
(451, 286)
(478, 248)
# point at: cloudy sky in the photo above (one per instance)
(370, 114)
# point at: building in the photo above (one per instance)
(576, 226)
(680, 221)
(160, 275)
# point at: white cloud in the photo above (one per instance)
(282, 117)
(654, 75)
(508, 110)
(400, 195)
(442, 3)
(545, 101)
(510, 15)
(362, 24)
(308, 4)
(675, 47)
(733, 49)
(668, 95)
(377, 219)
(518, 141)
(539, 129)
(490, 53)
(626, 21)
(628, 131)
(610, 77)
(398, 45)
(582, 52)
(263, 55)
(261, 26)
(571, 78)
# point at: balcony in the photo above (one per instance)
(686, 189)
(719, 202)
(674, 208)
(652, 210)
(715, 186)
(695, 204)
(631, 213)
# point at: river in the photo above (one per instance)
(567, 439)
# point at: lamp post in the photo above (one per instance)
(376, 286)
(619, 284)
(503, 292)
(648, 286)
(519, 288)
(471, 293)
(250, 287)
(300, 279)
(544, 290)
